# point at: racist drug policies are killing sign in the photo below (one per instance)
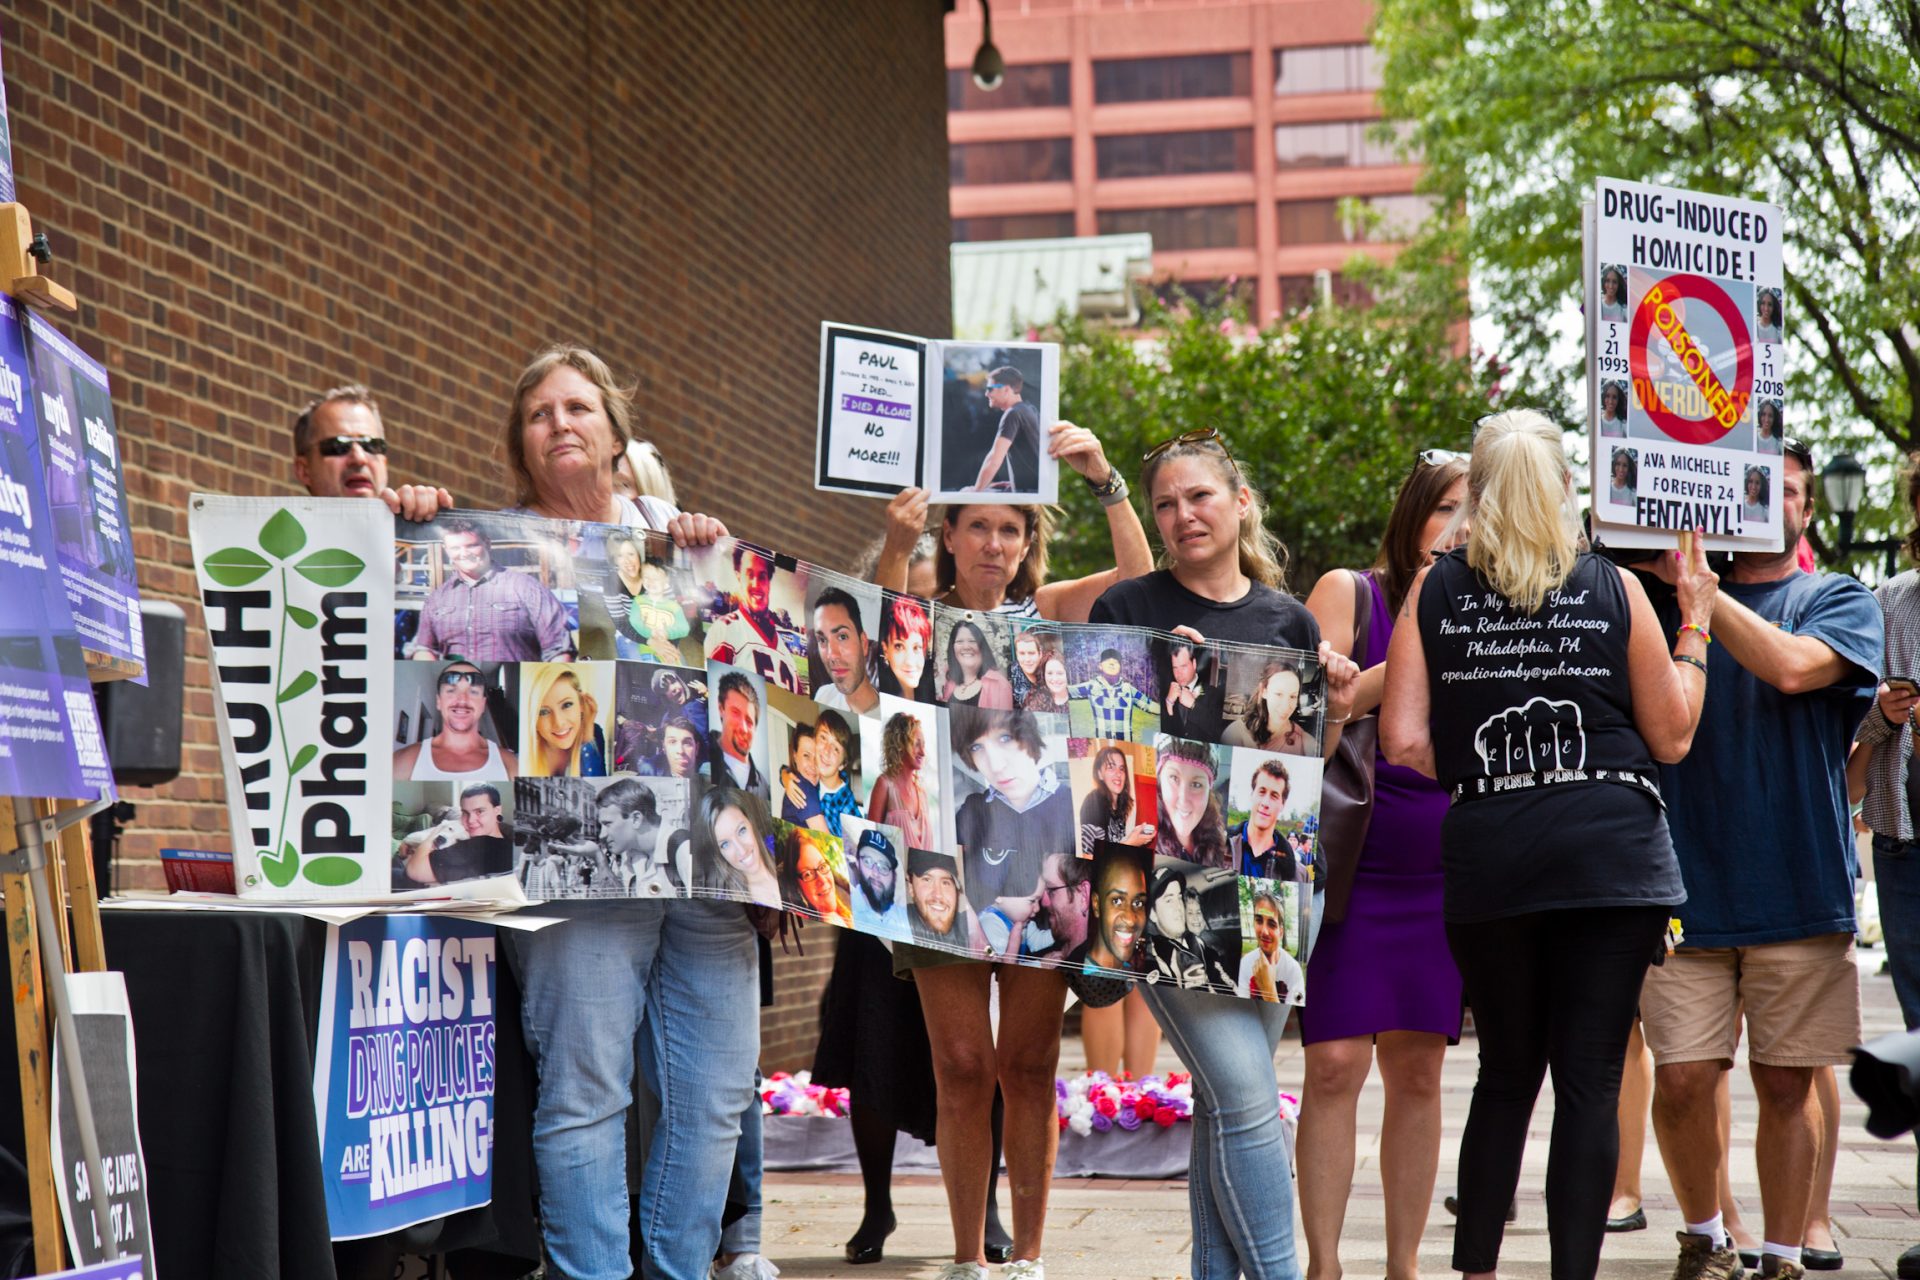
(1685, 366)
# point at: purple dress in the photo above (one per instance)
(1386, 967)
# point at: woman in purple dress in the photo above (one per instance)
(1384, 982)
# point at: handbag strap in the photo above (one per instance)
(1362, 617)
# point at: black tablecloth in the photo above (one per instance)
(225, 1008)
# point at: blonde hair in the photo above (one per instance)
(1263, 557)
(615, 399)
(549, 675)
(1525, 536)
(651, 479)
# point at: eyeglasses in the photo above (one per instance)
(1202, 435)
(1048, 890)
(341, 446)
(996, 386)
(1441, 457)
(822, 874)
(454, 679)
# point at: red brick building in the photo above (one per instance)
(1228, 129)
(255, 202)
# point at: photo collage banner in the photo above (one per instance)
(603, 715)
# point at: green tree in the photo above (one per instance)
(1516, 106)
(1325, 414)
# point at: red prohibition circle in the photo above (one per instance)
(1686, 430)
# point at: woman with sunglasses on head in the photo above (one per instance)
(993, 559)
(1222, 581)
(1384, 983)
(1558, 871)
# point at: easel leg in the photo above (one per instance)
(32, 1041)
(89, 950)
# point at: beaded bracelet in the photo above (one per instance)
(1692, 662)
(1694, 626)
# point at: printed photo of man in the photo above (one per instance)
(937, 913)
(1117, 940)
(840, 654)
(458, 751)
(480, 847)
(1267, 972)
(485, 613)
(1194, 708)
(1110, 700)
(879, 892)
(734, 741)
(679, 747)
(752, 636)
(641, 853)
(1016, 444)
(1259, 850)
(1062, 908)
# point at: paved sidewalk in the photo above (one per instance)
(1104, 1229)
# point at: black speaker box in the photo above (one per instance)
(141, 723)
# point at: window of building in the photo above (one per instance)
(1205, 293)
(1205, 75)
(1327, 68)
(1020, 226)
(1214, 226)
(1335, 144)
(1041, 84)
(1320, 221)
(1026, 160)
(1152, 155)
(1304, 291)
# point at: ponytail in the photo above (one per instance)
(1525, 536)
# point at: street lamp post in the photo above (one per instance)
(1844, 482)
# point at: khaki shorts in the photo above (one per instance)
(1801, 1000)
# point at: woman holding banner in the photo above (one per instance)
(1223, 582)
(1384, 983)
(673, 968)
(993, 559)
(1557, 890)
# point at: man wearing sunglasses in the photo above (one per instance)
(458, 752)
(1017, 440)
(340, 451)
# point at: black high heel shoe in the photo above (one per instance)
(861, 1250)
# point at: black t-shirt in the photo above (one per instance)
(1262, 616)
(1002, 850)
(1533, 715)
(470, 858)
(1020, 426)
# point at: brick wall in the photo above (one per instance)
(254, 202)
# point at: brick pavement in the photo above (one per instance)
(1109, 1229)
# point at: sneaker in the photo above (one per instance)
(964, 1271)
(1027, 1269)
(1700, 1260)
(747, 1266)
(1908, 1268)
(1775, 1267)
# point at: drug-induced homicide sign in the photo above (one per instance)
(403, 1071)
(1685, 370)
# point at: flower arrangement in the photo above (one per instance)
(795, 1094)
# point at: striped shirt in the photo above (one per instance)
(1885, 807)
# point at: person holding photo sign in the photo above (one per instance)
(993, 559)
(1559, 875)
(672, 971)
(1224, 582)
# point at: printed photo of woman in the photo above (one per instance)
(1193, 825)
(900, 661)
(732, 849)
(561, 731)
(1268, 721)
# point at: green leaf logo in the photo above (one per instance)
(302, 618)
(282, 535)
(280, 870)
(304, 757)
(330, 567)
(235, 566)
(299, 685)
(333, 871)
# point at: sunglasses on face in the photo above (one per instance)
(455, 679)
(341, 446)
(1798, 451)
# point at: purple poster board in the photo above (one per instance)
(50, 742)
(91, 532)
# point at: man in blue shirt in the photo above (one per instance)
(1760, 824)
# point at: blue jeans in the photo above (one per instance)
(742, 1235)
(685, 974)
(1239, 1177)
